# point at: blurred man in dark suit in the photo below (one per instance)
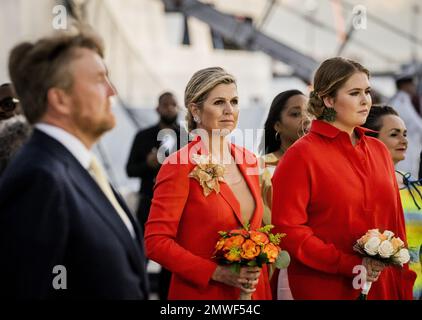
(64, 231)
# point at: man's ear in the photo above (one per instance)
(58, 101)
(328, 101)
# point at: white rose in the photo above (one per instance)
(402, 256)
(388, 234)
(371, 246)
(373, 232)
(386, 249)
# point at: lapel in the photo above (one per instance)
(92, 193)
(244, 163)
(126, 209)
(227, 193)
(230, 198)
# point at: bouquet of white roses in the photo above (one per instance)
(383, 247)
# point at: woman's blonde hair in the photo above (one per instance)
(199, 87)
(331, 75)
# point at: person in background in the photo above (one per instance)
(9, 103)
(402, 101)
(143, 159)
(65, 233)
(391, 130)
(144, 163)
(376, 97)
(186, 216)
(331, 187)
(14, 129)
(286, 122)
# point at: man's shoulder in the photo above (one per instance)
(35, 156)
(24, 172)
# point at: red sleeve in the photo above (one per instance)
(170, 197)
(292, 190)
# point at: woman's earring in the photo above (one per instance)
(196, 119)
(277, 136)
(329, 114)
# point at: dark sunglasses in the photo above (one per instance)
(8, 104)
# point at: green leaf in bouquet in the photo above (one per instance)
(235, 267)
(223, 234)
(283, 260)
(261, 259)
(252, 263)
(266, 229)
(276, 238)
(246, 226)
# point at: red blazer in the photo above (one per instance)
(327, 194)
(183, 224)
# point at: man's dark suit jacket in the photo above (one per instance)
(53, 213)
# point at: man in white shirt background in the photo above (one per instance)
(404, 103)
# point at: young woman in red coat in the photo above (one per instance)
(331, 187)
(185, 216)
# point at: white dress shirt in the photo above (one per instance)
(403, 105)
(80, 152)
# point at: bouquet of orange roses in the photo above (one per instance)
(243, 247)
(383, 247)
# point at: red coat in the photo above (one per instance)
(327, 194)
(183, 224)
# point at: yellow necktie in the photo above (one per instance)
(100, 177)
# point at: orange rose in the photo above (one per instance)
(383, 237)
(220, 244)
(259, 237)
(249, 250)
(397, 244)
(362, 240)
(232, 255)
(369, 234)
(272, 252)
(234, 241)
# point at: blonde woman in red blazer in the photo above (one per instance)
(182, 229)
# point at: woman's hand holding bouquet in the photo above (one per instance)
(241, 254)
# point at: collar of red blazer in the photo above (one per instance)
(327, 130)
(247, 164)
